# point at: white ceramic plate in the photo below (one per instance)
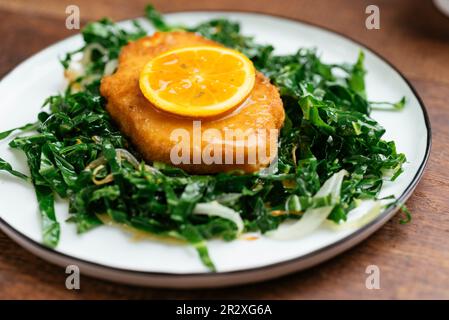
(443, 6)
(110, 253)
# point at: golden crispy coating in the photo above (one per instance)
(150, 129)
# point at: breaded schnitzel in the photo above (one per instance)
(150, 129)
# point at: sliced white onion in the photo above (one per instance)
(215, 209)
(228, 198)
(87, 52)
(332, 186)
(110, 67)
(389, 173)
(125, 154)
(77, 68)
(310, 221)
(313, 217)
(365, 212)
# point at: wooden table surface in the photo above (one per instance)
(413, 258)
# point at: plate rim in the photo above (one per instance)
(357, 236)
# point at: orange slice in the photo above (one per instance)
(199, 81)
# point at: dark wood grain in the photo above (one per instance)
(413, 258)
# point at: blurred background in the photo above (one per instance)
(412, 31)
(413, 36)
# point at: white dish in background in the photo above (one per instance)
(443, 6)
(110, 253)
